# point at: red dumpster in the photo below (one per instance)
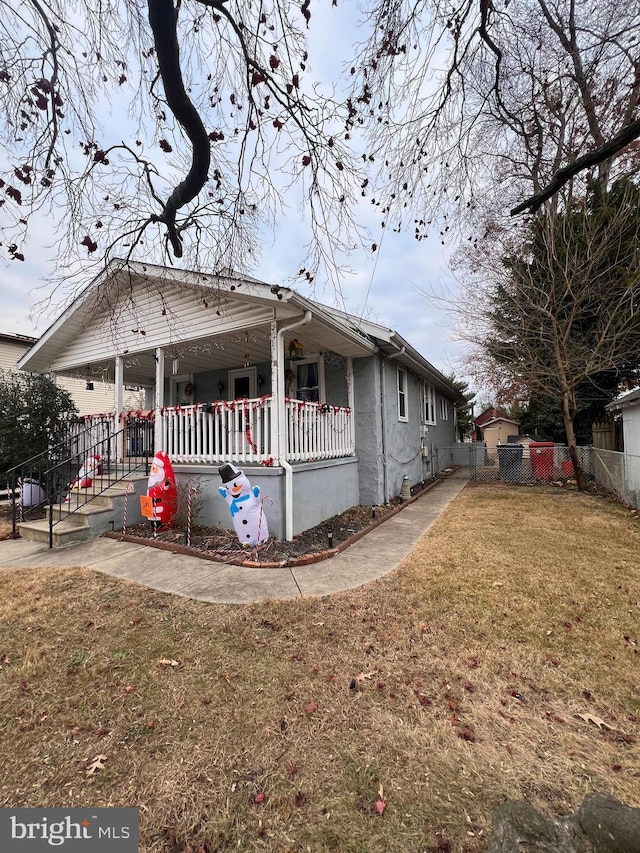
(541, 454)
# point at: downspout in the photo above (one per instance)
(282, 460)
(383, 401)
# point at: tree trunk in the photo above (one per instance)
(568, 414)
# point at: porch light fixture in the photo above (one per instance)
(296, 350)
(221, 386)
(175, 366)
(260, 381)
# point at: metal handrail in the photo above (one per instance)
(54, 484)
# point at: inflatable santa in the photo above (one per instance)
(161, 503)
(245, 505)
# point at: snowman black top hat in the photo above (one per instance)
(229, 472)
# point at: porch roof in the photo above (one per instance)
(194, 315)
(629, 399)
(390, 343)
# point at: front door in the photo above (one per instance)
(242, 384)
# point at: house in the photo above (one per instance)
(628, 463)
(494, 427)
(322, 410)
(90, 392)
(629, 406)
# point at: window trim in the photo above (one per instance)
(240, 373)
(428, 403)
(444, 408)
(300, 362)
(402, 393)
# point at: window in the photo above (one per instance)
(428, 403)
(181, 390)
(242, 383)
(444, 409)
(402, 394)
(309, 380)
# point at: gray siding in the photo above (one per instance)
(382, 437)
(368, 429)
(320, 491)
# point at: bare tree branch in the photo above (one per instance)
(564, 175)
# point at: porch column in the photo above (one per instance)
(159, 400)
(277, 386)
(118, 395)
(351, 404)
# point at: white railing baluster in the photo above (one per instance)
(240, 432)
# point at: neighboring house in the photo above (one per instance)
(90, 393)
(524, 441)
(629, 406)
(494, 427)
(322, 410)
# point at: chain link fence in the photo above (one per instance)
(619, 473)
(545, 462)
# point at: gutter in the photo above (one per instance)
(282, 460)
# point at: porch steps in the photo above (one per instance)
(81, 521)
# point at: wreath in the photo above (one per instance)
(188, 389)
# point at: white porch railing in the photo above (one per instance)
(91, 430)
(318, 431)
(239, 431)
(236, 431)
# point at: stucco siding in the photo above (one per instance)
(320, 491)
(368, 429)
(404, 440)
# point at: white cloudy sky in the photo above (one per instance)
(385, 286)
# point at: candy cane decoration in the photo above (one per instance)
(190, 493)
(20, 501)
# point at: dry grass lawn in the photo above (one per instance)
(501, 660)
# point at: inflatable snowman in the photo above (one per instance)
(245, 505)
(161, 505)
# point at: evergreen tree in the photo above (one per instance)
(34, 414)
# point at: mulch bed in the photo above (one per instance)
(318, 543)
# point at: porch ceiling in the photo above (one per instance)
(220, 352)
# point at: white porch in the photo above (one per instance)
(245, 432)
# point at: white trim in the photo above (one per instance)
(428, 403)
(296, 363)
(239, 373)
(402, 394)
(444, 409)
(174, 381)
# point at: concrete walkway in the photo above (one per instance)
(374, 555)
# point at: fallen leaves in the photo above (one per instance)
(168, 662)
(597, 721)
(95, 764)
